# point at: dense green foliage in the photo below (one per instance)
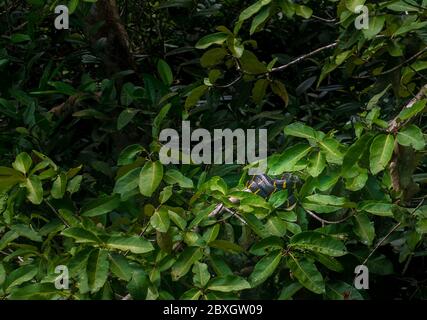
(81, 183)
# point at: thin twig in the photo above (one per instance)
(303, 57)
(389, 233)
(381, 242)
(324, 19)
(234, 214)
(395, 67)
(57, 213)
(240, 76)
(315, 216)
(394, 124)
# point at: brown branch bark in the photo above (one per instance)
(394, 124)
(393, 127)
(305, 56)
(117, 53)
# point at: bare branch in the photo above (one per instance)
(305, 56)
(394, 124)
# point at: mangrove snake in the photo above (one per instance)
(265, 186)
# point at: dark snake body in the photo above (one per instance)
(265, 186)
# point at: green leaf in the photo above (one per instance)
(307, 274)
(201, 274)
(303, 11)
(138, 285)
(333, 150)
(192, 294)
(69, 217)
(165, 194)
(35, 291)
(289, 290)
(226, 246)
(159, 119)
(22, 162)
(173, 176)
(160, 220)
(318, 242)
(228, 283)
(2, 274)
(210, 39)
(380, 265)
(213, 57)
(134, 244)
(329, 262)
(59, 186)
(375, 26)
(411, 112)
(34, 189)
(280, 90)
(212, 233)
(381, 151)
(125, 117)
(377, 208)
(253, 9)
(177, 219)
(376, 98)
(342, 291)
(353, 4)
(185, 260)
(324, 203)
(358, 182)
(219, 266)
(289, 158)
(72, 6)
(80, 235)
(165, 72)
(327, 200)
(20, 37)
(317, 163)
(7, 238)
(421, 226)
(19, 276)
(98, 266)
(127, 94)
(127, 182)
(74, 185)
(411, 136)
(129, 154)
(276, 226)
(265, 268)
(9, 177)
(120, 267)
(278, 198)
(195, 96)
(298, 129)
(354, 154)
(259, 19)
(364, 228)
(402, 6)
(259, 89)
(101, 206)
(251, 64)
(407, 27)
(256, 225)
(25, 231)
(150, 177)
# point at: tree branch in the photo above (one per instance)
(303, 57)
(394, 124)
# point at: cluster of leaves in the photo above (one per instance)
(81, 184)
